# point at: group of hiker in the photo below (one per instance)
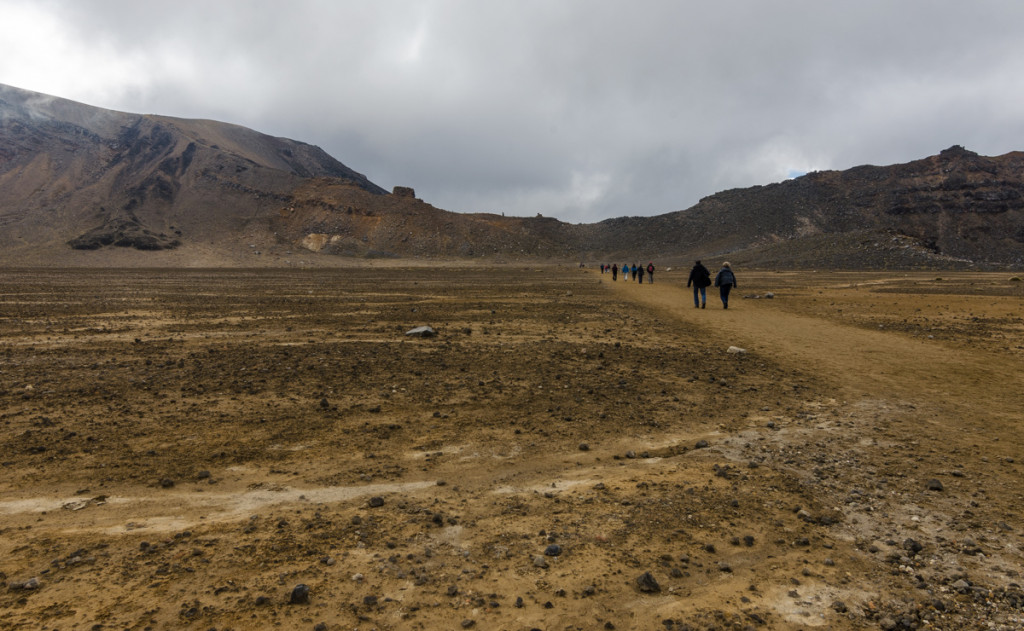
(700, 279)
(627, 270)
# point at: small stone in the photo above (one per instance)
(934, 485)
(540, 562)
(647, 583)
(736, 350)
(321, 626)
(376, 501)
(166, 483)
(300, 595)
(702, 444)
(887, 623)
(584, 447)
(203, 475)
(912, 546)
(553, 550)
(468, 623)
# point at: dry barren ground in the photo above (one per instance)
(184, 449)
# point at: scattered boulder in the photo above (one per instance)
(736, 350)
(934, 485)
(421, 331)
(647, 583)
(29, 585)
(299, 595)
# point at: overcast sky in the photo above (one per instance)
(576, 109)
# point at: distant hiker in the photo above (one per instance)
(615, 271)
(700, 278)
(725, 281)
(640, 275)
(634, 269)
(650, 272)
(602, 268)
(625, 271)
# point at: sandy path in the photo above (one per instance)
(967, 388)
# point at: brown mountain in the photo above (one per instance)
(79, 177)
(85, 186)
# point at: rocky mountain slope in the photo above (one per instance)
(82, 186)
(75, 176)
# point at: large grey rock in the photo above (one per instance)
(421, 331)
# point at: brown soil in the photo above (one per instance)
(182, 448)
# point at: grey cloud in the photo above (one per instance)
(580, 109)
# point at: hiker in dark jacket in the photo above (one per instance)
(725, 281)
(700, 278)
(615, 270)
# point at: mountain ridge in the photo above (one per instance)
(81, 185)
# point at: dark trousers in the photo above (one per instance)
(700, 296)
(724, 290)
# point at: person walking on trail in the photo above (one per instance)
(640, 275)
(725, 281)
(650, 272)
(633, 270)
(700, 278)
(625, 271)
(615, 271)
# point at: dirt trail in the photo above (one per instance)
(860, 362)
